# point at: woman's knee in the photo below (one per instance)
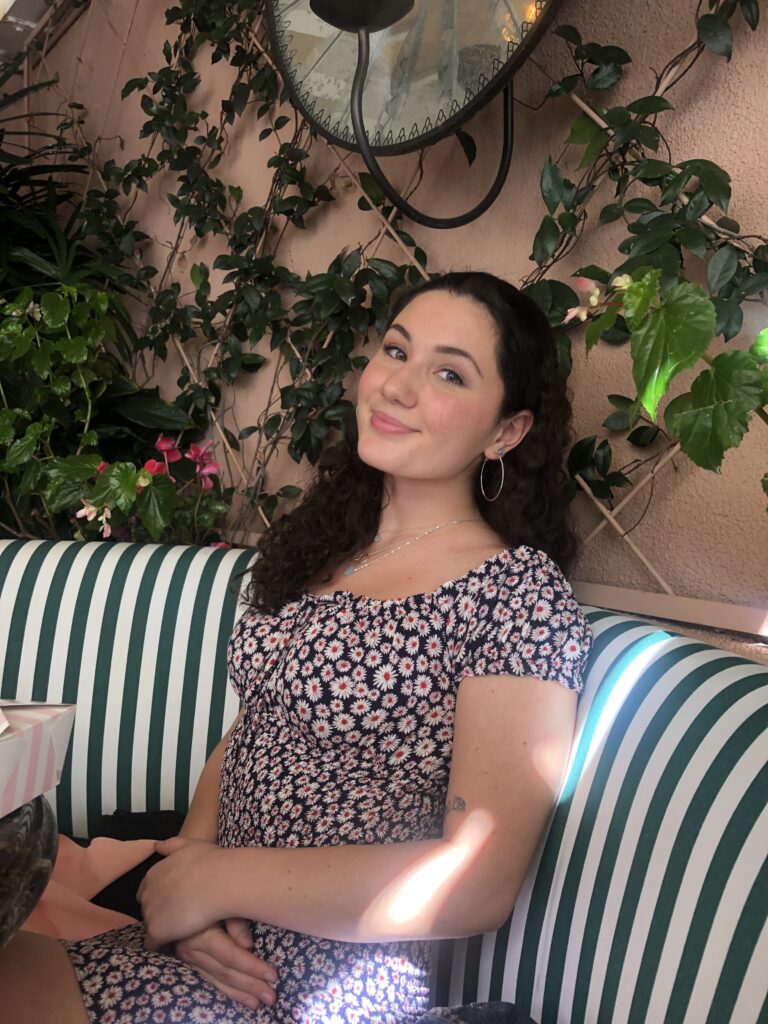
(38, 983)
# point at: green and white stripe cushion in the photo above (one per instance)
(648, 899)
(136, 636)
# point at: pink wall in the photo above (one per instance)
(706, 533)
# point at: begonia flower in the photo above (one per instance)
(167, 446)
(88, 510)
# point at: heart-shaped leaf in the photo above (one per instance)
(671, 338)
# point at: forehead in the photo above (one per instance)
(441, 317)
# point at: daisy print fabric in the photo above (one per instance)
(346, 737)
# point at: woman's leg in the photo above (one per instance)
(38, 984)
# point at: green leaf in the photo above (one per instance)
(721, 268)
(55, 310)
(675, 186)
(694, 240)
(22, 449)
(603, 457)
(621, 401)
(372, 188)
(649, 105)
(618, 420)
(751, 11)
(715, 32)
(123, 481)
(551, 185)
(565, 86)
(593, 273)
(155, 506)
(584, 132)
(7, 426)
(468, 144)
(611, 212)
(639, 296)
(541, 293)
(670, 339)
(714, 415)
(581, 455)
(640, 205)
(759, 347)
(74, 350)
(73, 467)
(643, 436)
(30, 478)
(754, 283)
(604, 76)
(596, 327)
(649, 170)
(63, 495)
(714, 181)
(149, 411)
(569, 33)
(545, 242)
(729, 317)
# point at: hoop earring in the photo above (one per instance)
(501, 485)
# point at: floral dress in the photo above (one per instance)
(346, 738)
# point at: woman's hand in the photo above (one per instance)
(178, 896)
(222, 955)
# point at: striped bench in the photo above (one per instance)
(648, 900)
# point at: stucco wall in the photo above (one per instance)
(706, 533)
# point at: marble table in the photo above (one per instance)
(28, 843)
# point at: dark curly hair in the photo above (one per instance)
(340, 511)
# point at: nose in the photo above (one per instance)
(400, 385)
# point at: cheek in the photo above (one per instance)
(367, 382)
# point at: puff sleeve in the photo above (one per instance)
(528, 623)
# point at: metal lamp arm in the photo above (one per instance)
(363, 56)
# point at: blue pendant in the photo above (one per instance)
(348, 571)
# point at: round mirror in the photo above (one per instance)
(428, 72)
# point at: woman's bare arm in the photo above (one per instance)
(511, 744)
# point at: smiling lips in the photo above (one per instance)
(388, 425)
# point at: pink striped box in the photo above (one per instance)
(33, 744)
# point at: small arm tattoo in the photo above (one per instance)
(455, 803)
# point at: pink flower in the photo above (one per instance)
(102, 466)
(206, 465)
(198, 454)
(576, 311)
(88, 510)
(583, 284)
(167, 446)
(155, 468)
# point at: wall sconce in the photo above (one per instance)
(418, 70)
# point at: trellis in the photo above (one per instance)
(749, 620)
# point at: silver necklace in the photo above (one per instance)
(364, 560)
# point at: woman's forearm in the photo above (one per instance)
(428, 889)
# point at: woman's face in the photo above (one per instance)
(448, 402)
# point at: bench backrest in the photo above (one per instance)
(648, 899)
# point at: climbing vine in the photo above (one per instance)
(245, 311)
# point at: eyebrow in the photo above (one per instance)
(447, 350)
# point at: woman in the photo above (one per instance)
(408, 703)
